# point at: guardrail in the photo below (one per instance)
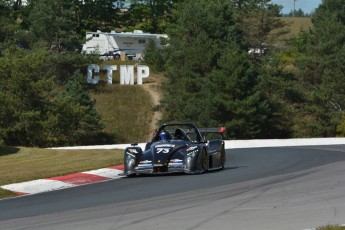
(237, 144)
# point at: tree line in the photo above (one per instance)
(44, 98)
(293, 91)
(296, 90)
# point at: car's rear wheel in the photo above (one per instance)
(222, 158)
(204, 161)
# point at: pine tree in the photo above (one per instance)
(322, 73)
(197, 40)
(53, 23)
(282, 91)
(240, 104)
(261, 26)
(73, 117)
(24, 96)
(211, 78)
(42, 87)
(151, 16)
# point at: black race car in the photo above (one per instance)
(177, 147)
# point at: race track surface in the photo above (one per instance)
(262, 188)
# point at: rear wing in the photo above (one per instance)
(214, 132)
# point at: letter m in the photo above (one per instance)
(127, 75)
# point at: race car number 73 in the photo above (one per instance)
(163, 150)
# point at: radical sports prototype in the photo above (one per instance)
(177, 148)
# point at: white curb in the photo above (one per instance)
(37, 186)
(105, 172)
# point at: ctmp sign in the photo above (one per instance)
(126, 74)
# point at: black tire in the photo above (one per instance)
(203, 161)
(131, 175)
(116, 57)
(222, 158)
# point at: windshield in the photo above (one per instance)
(177, 132)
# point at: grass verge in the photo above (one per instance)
(19, 164)
(296, 24)
(6, 194)
(126, 110)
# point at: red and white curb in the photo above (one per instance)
(68, 181)
(55, 183)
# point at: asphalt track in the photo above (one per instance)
(261, 188)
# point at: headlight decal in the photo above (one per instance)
(133, 150)
(176, 162)
(192, 154)
(192, 148)
(128, 154)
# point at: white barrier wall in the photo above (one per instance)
(236, 144)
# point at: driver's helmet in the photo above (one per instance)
(164, 136)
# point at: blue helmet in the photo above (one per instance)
(164, 136)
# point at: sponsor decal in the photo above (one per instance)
(165, 145)
(176, 164)
(145, 162)
(175, 160)
(144, 165)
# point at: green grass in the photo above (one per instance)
(126, 110)
(24, 164)
(20, 164)
(297, 24)
(291, 30)
(6, 194)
